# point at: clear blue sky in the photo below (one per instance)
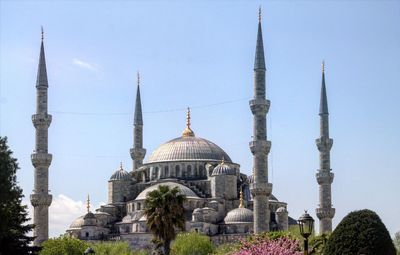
(200, 54)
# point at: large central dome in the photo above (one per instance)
(188, 148)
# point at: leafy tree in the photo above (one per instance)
(360, 232)
(14, 231)
(192, 244)
(164, 211)
(63, 246)
(112, 248)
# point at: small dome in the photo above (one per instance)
(77, 223)
(183, 190)
(281, 210)
(120, 175)
(89, 219)
(223, 169)
(239, 215)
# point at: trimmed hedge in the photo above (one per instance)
(360, 232)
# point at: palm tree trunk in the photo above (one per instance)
(167, 247)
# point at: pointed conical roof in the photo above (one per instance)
(41, 80)
(138, 118)
(259, 62)
(323, 106)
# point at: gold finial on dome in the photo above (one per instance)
(223, 160)
(88, 204)
(187, 131)
(241, 204)
(120, 166)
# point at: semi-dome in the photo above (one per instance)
(120, 175)
(188, 148)
(239, 215)
(77, 223)
(223, 169)
(183, 190)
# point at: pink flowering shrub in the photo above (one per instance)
(265, 246)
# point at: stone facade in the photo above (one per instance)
(41, 159)
(324, 176)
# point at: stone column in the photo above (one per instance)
(260, 146)
(41, 159)
(324, 176)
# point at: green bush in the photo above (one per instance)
(63, 246)
(192, 244)
(112, 248)
(360, 232)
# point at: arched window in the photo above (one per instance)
(201, 171)
(87, 234)
(189, 171)
(156, 173)
(166, 172)
(177, 171)
(138, 206)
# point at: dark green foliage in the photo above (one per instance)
(360, 232)
(192, 244)
(164, 211)
(14, 231)
(63, 246)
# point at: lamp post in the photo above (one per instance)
(306, 225)
(89, 251)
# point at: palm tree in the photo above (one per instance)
(165, 213)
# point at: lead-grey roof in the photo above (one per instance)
(239, 215)
(224, 169)
(183, 190)
(120, 175)
(187, 149)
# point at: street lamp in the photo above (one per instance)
(306, 225)
(89, 251)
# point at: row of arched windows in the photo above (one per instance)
(177, 172)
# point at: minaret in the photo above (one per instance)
(260, 146)
(41, 159)
(138, 152)
(325, 212)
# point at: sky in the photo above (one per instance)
(200, 54)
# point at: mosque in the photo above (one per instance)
(222, 202)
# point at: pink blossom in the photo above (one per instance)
(260, 246)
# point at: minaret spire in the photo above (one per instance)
(41, 159)
(259, 62)
(324, 176)
(260, 146)
(137, 152)
(187, 131)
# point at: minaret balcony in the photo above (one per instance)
(325, 213)
(263, 188)
(41, 199)
(324, 177)
(259, 106)
(260, 146)
(41, 120)
(137, 153)
(324, 144)
(41, 159)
